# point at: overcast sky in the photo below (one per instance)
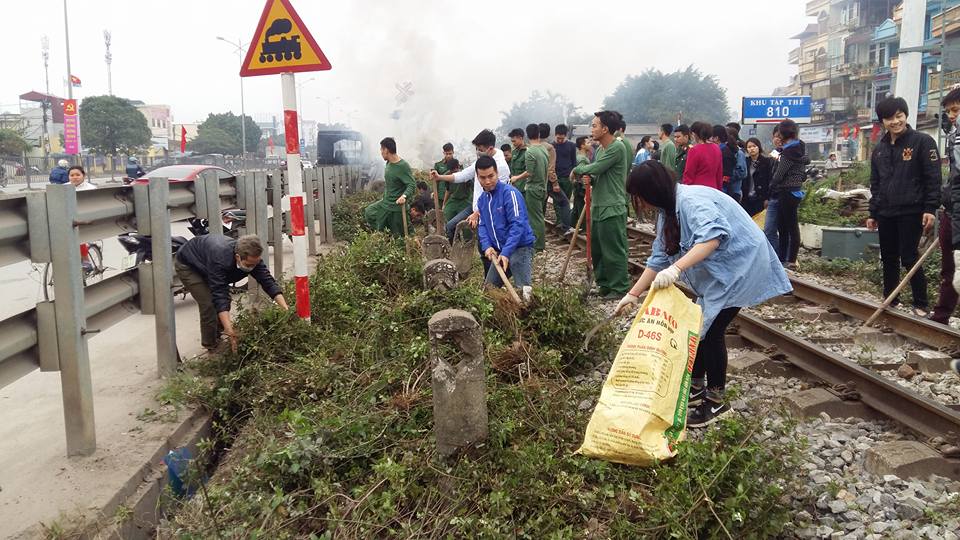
(466, 61)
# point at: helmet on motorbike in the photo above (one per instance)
(63, 163)
(132, 159)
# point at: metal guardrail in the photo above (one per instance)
(48, 227)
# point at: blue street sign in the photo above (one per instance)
(773, 109)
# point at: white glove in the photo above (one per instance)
(627, 300)
(666, 278)
(956, 273)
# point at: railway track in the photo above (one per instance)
(911, 409)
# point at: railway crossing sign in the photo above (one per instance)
(282, 44)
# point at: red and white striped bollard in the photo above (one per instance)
(295, 192)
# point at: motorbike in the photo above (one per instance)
(814, 173)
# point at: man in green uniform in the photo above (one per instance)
(608, 209)
(536, 161)
(518, 163)
(399, 185)
(668, 151)
(583, 158)
(443, 168)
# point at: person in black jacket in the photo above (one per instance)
(786, 187)
(948, 236)
(905, 192)
(756, 187)
(207, 265)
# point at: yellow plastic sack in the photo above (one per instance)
(760, 218)
(642, 411)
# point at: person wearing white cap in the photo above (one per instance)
(59, 174)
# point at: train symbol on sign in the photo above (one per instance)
(280, 49)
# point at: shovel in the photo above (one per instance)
(403, 214)
(906, 279)
(573, 243)
(503, 278)
(588, 276)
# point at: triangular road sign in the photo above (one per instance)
(282, 44)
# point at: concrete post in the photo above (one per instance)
(329, 199)
(309, 206)
(464, 249)
(276, 190)
(440, 275)
(459, 390)
(320, 206)
(211, 185)
(75, 380)
(162, 266)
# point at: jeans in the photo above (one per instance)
(788, 226)
(711, 361)
(520, 268)
(770, 229)
(561, 206)
(451, 226)
(947, 302)
(899, 236)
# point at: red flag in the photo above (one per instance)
(875, 133)
(74, 80)
(183, 139)
(856, 131)
(845, 133)
(270, 143)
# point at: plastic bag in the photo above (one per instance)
(642, 411)
(760, 218)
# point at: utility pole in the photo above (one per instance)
(239, 46)
(66, 31)
(109, 60)
(911, 55)
(45, 52)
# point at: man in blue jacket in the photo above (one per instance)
(59, 173)
(506, 238)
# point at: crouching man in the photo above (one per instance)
(506, 238)
(207, 265)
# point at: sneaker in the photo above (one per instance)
(696, 396)
(919, 312)
(568, 234)
(955, 365)
(707, 413)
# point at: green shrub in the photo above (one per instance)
(331, 427)
(348, 214)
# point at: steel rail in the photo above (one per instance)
(907, 325)
(888, 398)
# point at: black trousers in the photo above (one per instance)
(788, 226)
(899, 237)
(712, 354)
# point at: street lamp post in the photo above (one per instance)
(238, 48)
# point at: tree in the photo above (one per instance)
(212, 140)
(112, 125)
(11, 143)
(655, 97)
(550, 108)
(229, 124)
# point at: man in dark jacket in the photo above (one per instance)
(207, 265)
(59, 174)
(948, 236)
(134, 170)
(905, 192)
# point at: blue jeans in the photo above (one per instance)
(770, 225)
(521, 269)
(451, 226)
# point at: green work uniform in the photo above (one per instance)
(441, 168)
(628, 155)
(579, 193)
(668, 155)
(461, 196)
(535, 194)
(385, 214)
(518, 166)
(608, 216)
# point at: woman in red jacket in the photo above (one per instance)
(704, 159)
